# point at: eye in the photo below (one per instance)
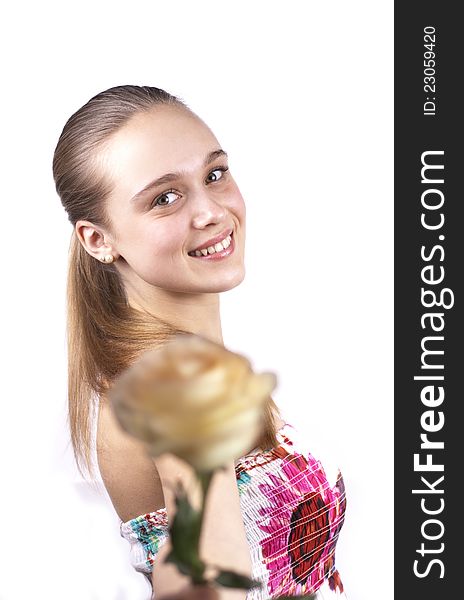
(165, 199)
(217, 174)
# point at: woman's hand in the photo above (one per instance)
(194, 592)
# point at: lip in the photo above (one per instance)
(214, 240)
(218, 255)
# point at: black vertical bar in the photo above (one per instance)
(429, 273)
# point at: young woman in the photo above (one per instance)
(158, 232)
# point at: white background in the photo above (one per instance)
(300, 95)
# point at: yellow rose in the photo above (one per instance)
(195, 399)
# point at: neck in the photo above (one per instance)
(196, 313)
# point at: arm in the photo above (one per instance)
(129, 475)
(223, 541)
(138, 485)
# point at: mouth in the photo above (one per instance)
(215, 246)
(216, 251)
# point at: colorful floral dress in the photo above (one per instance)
(292, 517)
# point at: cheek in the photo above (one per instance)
(241, 211)
(166, 238)
(237, 205)
(142, 243)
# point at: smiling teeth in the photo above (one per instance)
(219, 247)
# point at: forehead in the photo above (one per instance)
(153, 143)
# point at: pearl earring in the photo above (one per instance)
(107, 259)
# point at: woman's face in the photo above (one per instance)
(186, 231)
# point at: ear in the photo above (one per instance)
(95, 240)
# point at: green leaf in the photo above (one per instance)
(235, 580)
(194, 570)
(185, 531)
(182, 567)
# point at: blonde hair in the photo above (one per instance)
(105, 335)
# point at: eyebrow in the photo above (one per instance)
(168, 177)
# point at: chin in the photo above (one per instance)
(231, 286)
(229, 283)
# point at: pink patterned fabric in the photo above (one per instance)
(292, 518)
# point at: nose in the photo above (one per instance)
(206, 210)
